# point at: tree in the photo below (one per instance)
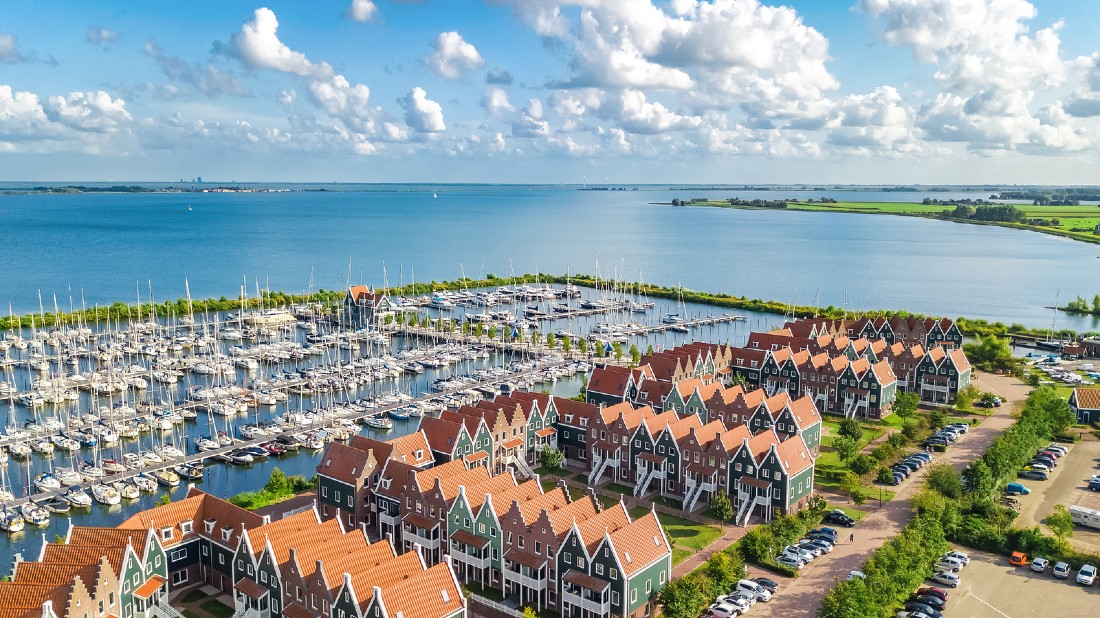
(551, 340)
(479, 330)
(937, 418)
(724, 568)
(859, 497)
(850, 483)
(862, 464)
(965, 398)
(635, 355)
(991, 353)
(944, 479)
(413, 319)
(885, 476)
(164, 500)
(583, 345)
(551, 458)
(721, 506)
(978, 479)
(529, 613)
(617, 350)
(685, 597)
(905, 404)
(277, 483)
(649, 348)
(850, 428)
(536, 337)
(845, 448)
(1060, 522)
(465, 329)
(567, 344)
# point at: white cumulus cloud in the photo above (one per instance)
(9, 52)
(422, 114)
(88, 111)
(495, 102)
(361, 10)
(453, 56)
(101, 36)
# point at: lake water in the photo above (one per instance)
(110, 246)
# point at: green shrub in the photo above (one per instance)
(862, 464)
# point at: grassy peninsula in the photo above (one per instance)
(1077, 222)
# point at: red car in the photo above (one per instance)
(932, 592)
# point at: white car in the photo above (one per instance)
(724, 610)
(949, 564)
(856, 575)
(947, 578)
(738, 599)
(789, 561)
(964, 558)
(1058, 447)
(1087, 575)
(798, 551)
(904, 614)
(753, 589)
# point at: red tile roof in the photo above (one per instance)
(1087, 398)
(430, 594)
(640, 543)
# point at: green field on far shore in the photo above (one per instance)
(1076, 222)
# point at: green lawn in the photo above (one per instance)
(685, 532)
(854, 513)
(217, 608)
(544, 471)
(618, 488)
(190, 614)
(193, 596)
(679, 555)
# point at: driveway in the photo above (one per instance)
(802, 596)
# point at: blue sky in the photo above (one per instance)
(722, 91)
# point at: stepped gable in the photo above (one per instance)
(582, 509)
(552, 500)
(26, 600)
(527, 490)
(198, 507)
(593, 529)
(344, 462)
(640, 543)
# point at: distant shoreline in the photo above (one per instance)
(1088, 215)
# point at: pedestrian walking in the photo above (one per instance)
(852, 537)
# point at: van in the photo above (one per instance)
(1082, 516)
(1014, 489)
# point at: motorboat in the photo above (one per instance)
(57, 504)
(167, 477)
(378, 422)
(126, 489)
(204, 443)
(133, 462)
(193, 471)
(399, 414)
(106, 494)
(68, 477)
(34, 514)
(145, 482)
(257, 452)
(91, 472)
(10, 520)
(113, 466)
(77, 497)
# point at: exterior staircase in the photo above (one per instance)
(598, 470)
(694, 490)
(743, 511)
(525, 470)
(644, 480)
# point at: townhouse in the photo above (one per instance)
(940, 374)
(1085, 403)
(365, 307)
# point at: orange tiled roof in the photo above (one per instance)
(430, 594)
(793, 455)
(1087, 398)
(582, 509)
(386, 574)
(639, 543)
(593, 529)
(346, 463)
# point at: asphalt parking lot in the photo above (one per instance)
(1066, 486)
(992, 588)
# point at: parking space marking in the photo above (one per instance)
(983, 602)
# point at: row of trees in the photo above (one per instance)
(986, 212)
(961, 508)
(1080, 305)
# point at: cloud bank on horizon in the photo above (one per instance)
(545, 90)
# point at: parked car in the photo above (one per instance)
(934, 602)
(1094, 484)
(1049, 461)
(1058, 447)
(1035, 475)
(800, 553)
(963, 427)
(932, 591)
(824, 546)
(770, 585)
(1039, 565)
(856, 575)
(753, 589)
(1086, 575)
(839, 517)
(909, 614)
(953, 566)
(789, 561)
(738, 600)
(925, 456)
(962, 557)
(1061, 570)
(1018, 558)
(914, 606)
(1037, 465)
(826, 530)
(814, 550)
(951, 580)
(1016, 489)
(724, 610)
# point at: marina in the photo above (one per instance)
(102, 417)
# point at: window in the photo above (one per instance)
(614, 597)
(324, 491)
(737, 467)
(634, 595)
(649, 586)
(205, 550)
(221, 559)
(614, 573)
(764, 473)
(186, 527)
(538, 548)
(179, 577)
(599, 569)
(166, 534)
(662, 577)
(178, 554)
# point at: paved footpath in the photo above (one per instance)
(802, 596)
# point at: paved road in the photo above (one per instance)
(802, 596)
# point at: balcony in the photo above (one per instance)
(525, 569)
(585, 592)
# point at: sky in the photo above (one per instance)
(552, 91)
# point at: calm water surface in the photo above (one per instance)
(111, 246)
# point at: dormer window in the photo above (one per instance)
(226, 533)
(186, 527)
(166, 534)
(209, 525)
